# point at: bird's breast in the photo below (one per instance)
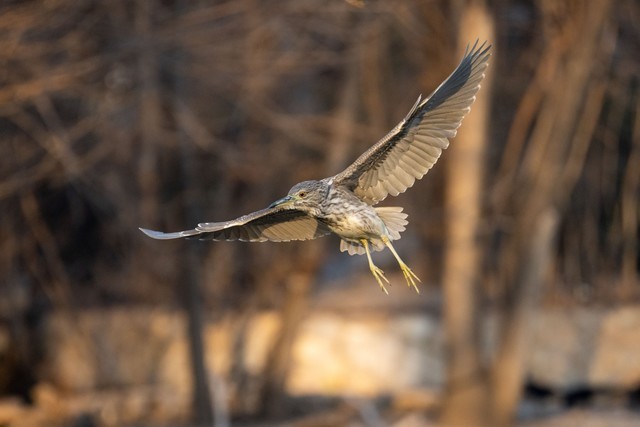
(354, 222)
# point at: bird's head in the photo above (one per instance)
(306, 196)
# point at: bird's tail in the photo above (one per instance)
(394, 219)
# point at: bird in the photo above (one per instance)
(344, 204)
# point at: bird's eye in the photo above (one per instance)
(302, 194)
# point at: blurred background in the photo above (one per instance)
(163, 114)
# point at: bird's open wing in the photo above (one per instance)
(415, 144)
(275, 224)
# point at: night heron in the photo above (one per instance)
(343, 204)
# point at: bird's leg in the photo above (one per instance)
(377, 273)
(409, 275)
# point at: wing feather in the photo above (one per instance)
(274, 224)
(415, 144)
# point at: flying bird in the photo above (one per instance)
(344, 203)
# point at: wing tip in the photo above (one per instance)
(476, 51)
(159, 235)
(152, 233)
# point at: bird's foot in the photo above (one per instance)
(410, 276)
(379, 275)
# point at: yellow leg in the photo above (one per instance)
(377, 273)
(409, 275)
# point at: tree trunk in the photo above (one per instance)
(293, 312)
(465, 399)
(149, 111)
(202, 402)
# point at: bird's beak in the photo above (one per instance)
(285, 200)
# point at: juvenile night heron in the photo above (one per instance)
(343, 204)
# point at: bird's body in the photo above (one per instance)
(344, 204)
(349, 217)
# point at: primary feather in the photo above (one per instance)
(415, 144)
